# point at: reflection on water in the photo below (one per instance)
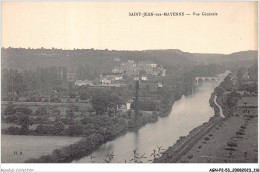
(187, 113)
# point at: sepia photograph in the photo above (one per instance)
(151, 83)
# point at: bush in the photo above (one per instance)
(41, 111)
(232, 144)
(243, 127)
(240, 133)
(190, 156)
(13, 130)
(24, 110)
(206, 138)
(45, 129)
(74, 130)
(11, 119)
(58, 128)
(10, 110)
(68, 121)
(87, 120)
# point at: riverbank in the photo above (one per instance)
(90, 143)
(183, 145)
(232, 139)
(33, 146)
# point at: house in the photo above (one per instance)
(160, 85)
(105, 81)
(128, 104)
(153, 65)
(148, 63)
(136, 78)
(117, 78)
(114, 76)
(83, 82)
(144, 78)
(116, 70)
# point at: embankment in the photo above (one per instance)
(182, 146)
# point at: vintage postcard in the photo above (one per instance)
(166, 85)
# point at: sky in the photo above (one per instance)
(107, 25)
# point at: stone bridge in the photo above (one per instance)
(208, 79)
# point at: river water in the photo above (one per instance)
(186, 114)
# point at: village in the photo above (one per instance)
(146, 72)
(110, 94)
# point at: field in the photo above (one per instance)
(214, 148)
(17, 149)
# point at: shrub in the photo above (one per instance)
(190, 156)
(232, 144)
(13, 130)
(68, 121)
(58, 128)
(74, 130)
(240, 133)
(10, 110)
(206, 138)
(243, 127)
(41, 111)
(12, 119)
(24, 110)
(44, 129)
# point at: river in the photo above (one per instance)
(186, 114)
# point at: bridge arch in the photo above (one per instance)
(208, 79)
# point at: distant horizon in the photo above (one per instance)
(30, 48)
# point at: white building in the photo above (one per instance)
(105, 81)
(136, 78)
(160, 85)
(83, 82)
(128, 104)
(144, 78)
(153, 65)
(118, 78)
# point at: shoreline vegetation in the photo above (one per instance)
(89, 144)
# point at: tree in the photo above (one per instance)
(13, 130)
(24, 110)
(219, 90)
(136, 98)
(25, 122)
(74, 130)
(99, 102)
(113, 103)
(129, 114)
(41, 111)
(11, 119)
(58, 128)
(10, 110)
